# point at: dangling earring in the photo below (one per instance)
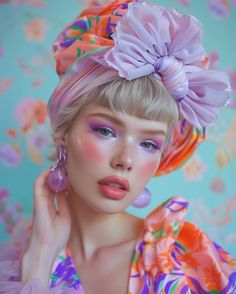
(143, 199)
(57, 178)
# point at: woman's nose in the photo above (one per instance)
(123, 158)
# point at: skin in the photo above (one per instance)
(100, 234)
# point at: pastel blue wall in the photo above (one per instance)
(27, 78)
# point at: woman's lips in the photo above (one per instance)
(112, 192)
(116, 180)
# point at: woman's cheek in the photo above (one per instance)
(93, 151)
(147, 169)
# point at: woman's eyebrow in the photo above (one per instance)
(119, 122)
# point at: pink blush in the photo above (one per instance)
(92, 151)
(148, 169)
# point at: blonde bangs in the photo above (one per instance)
(143, 97)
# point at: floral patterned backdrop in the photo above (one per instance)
(27, 78)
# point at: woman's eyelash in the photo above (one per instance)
(154, 146)
(101, 131)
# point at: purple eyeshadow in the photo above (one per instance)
(95, 126)
(159, 143)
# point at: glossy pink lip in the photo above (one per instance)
(112, 192)
(117, 180)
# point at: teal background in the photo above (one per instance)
(27, 72)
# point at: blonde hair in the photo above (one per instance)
(144, 97)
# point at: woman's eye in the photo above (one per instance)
(105, 132)
(150, 145)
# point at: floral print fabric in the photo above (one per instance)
(173, 256)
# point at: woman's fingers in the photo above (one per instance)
(63, 207)
(43, 195)
(51, 219)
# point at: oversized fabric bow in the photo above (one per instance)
(151, 40)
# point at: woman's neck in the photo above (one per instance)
(92, 230)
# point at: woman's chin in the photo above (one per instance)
(110, 208)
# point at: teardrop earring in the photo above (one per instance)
(143, 199)
(57, 179)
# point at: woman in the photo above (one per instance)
(133, 102)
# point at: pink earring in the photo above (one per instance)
(57, 179)
(143, 199)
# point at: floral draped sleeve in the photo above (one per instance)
(175, 256)
(11, 254)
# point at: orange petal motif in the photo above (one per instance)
(40, 112)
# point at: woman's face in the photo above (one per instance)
(102, 144)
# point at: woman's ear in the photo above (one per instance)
(60, 140)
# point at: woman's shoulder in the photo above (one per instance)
(179, 254)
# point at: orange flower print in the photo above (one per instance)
(212, 277)
(163, 251)
(12, 133)
(36, 30)
(40, 112)
(5, 85)
(189, 260)
(192, 238)
(223, 156)
(194, 169)
(30, 111)
(217, 185)
(23, 114)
